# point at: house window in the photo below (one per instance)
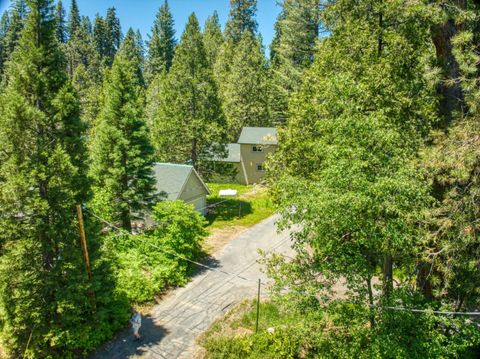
(260, 167)
(257, 148)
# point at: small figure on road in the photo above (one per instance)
(136, 321)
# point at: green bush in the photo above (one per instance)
(144, 263)
(342, 330)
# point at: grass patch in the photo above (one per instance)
(251, 205)
(233, 336)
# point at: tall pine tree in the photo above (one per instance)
(113, 35)
(61, 22)
(44, 289)
(121, 152)
(4, 22)
(241, 18)
(161, 46)
(189, 118)
(292, 49)
(212, 37)
(246, 98)
(74, 20)
(13, 28)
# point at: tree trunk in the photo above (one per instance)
(194, 153)
(370, 301)
(423, 283)
(125, 211)
(387, 275)
(449, 89)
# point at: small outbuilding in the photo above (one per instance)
(182, 182)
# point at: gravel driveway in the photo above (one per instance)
(169, 331)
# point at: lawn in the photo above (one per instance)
(251, 205)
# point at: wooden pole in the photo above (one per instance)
(83, 241)
(258, 306)
(86, 258)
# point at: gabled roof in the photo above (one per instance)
(258, 136)
(171, 178)
(233, 153)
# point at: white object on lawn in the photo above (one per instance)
(227, 192)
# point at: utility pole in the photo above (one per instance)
(86, 258)
(83, 241)
(258, 306)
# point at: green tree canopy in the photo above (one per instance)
(44, 288)
(12, 25)
(292, 49)
(212, 37)
(188, 119)
(246, 99)
(121, 152)
(162, 43)
(346, 157)
(74, 19)
(61, 22)
(241, 18)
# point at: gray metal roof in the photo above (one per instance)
(258, 136)
(171, 178)
(233, 153)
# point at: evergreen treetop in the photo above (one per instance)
(121, 152)
(162, 43)
(212, 37)
(60, 14)
(74, 19)
(241, 18)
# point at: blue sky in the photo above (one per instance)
(139, 14)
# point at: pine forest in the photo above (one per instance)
(375, 177)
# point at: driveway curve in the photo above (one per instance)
(170, 329)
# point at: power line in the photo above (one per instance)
(439, 312)
(397, 308)
(170, 252)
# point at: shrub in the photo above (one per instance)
(144, 263)
(341, 330)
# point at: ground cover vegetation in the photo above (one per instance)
(251, 205)
(376, 172)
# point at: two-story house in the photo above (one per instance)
(248, 155)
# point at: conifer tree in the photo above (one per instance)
(189, 118)
(161, 46)
(292, 49)
(13, 28)
(212, 37)
(121, 152)
(87, 25)
(107, 36)
(246, 97)
(241, 18)
(4, 22)
(140, 45)
(61, 22)
(113, 34)
(80, 49)
(100, 36)
(74, 19)
(44, 288)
